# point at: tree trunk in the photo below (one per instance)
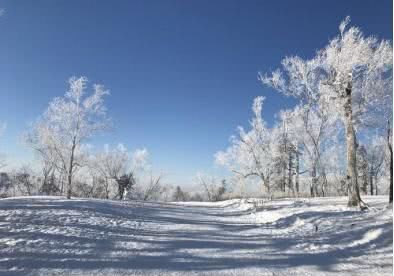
(106, 188)
(70, 170)
(267, 184)
(284, 177)
(314, 180)
(391, 160)
(52, 183)
(263, 185)
(61, 177)
(371, 183)
(354, 198)
(391, 175)
(45, 183)
(120, 193)
(69, 180)
(290, 173)
(324, 183)
(297, 180)
(365, 184)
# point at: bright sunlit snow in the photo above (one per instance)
(55, 236)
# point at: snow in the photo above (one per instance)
(321, 236)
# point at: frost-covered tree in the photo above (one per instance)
(166, 193)
(5, 184)
(213, 189)
(344, 74)
(47, 152)
(48, 185)
(67, 124)
(380, 118)
(150, 185)
(362, 168)
(116, 163)
(284, 148)
(153, 187)
(23, 180)
(208, 183)
(111, 164)
(375, 154)
(390, 147)
(179, 194)
(311, 129)
(250, 152)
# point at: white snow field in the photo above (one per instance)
(55, 236)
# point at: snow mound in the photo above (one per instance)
(368, 237)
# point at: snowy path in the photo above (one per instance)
(53, 236)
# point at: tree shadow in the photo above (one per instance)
(44, 235)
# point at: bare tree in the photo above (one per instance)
(154, 187)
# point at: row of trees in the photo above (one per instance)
(97, 183)
(108, 174)
(211, 192)
(69, 165)
(338, 137)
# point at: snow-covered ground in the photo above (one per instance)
(54, 236)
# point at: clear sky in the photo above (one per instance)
(182, 74)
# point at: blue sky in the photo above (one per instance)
(182, 74)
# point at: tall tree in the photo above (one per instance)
(312, 128)
(250, 153)
(375, 153)
(284, 151)
(362, 168)
(390, 146)
(67, 123)
(344, 74)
